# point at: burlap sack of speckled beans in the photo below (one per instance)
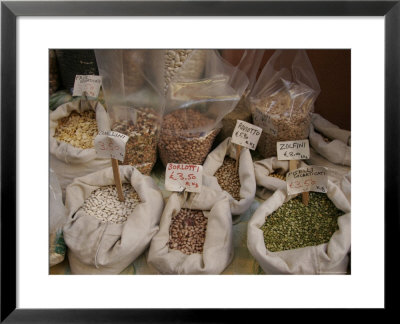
(270, 176)
(283, 99)
(239, 184)
(103, 234)
(249, 64)
(330, 141)
(73, 128)
(287, 237)
(195, 236)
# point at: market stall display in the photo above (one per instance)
(104, 235)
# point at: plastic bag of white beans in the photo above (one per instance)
(327, 258)
(73, 127)
(242, 191)
(104, 235)
(195, 236)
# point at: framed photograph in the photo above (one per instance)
(366, 31)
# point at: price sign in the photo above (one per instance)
(293, 150)
(183, 176)
(265, 122)
(111, 144)
(87, 83)
(310, 178)
(246, 134)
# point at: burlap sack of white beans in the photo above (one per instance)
(266, 184)
(338, 150)
(95, 247)
(218, 245)
(215, 160)
(327, 258)
(68, 161)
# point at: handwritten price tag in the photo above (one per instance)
(311, 178)
(293, 150)
(183, 176)
(265, 122)
(246, 134)
(111, 144)
(87, 83)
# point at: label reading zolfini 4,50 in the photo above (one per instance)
(111, 145)
(179, 177)
(293, 150)
(310, 178)
(89, 84)
(246, 134)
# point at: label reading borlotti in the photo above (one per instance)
(310, 178)
(246, 134)
(179, 177)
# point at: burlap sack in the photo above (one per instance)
(218, 245)
(215, 160)
(107, 248)
(327, 258)
(338, 150)
(70, 162)
(266, 184)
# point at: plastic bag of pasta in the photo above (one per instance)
(282, 99)
(133, 93)
(195, 107)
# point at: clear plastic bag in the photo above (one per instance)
(249, 63)
(133, 93)
(283, 99)
(195, 108)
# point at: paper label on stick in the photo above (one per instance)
(246, 134)
(265, 122)
(310, 178)
(179, 177)
(111, 145)
(87, 83)
(293, 150)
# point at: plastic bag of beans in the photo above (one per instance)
(270, 175)
(57, 215)
(194, 109)
(239, 184)
(287, 237)
(73, 128)
(103, 234)
(135, 101)
(249, 64)
(195, 236)
(282, 99)
(330, 141)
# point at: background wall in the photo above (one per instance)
(333, 70)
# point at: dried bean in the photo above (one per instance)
(228, 177)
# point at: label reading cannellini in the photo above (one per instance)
(293, 150)
(179, 177)
(89, 84)
(246, 134)
(111, 144)
(310, 178)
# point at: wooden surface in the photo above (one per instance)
(333, 69)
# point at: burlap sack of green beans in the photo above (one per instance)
(327, 258)
(68, 161)
(338, 149)
(215, 160)
(218, 246)
(96, 247)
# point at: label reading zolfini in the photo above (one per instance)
(87, 83)
(246, 134)
(179, 177)
(111, 145)
(293, 150)
(310, 178)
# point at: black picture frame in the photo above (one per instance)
(10, 10)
